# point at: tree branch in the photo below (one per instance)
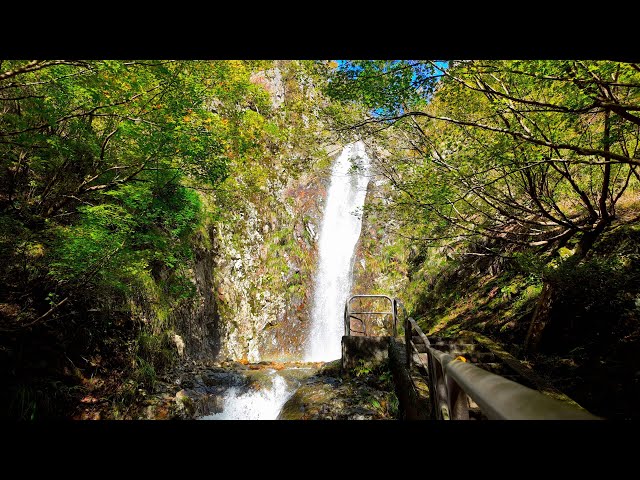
(561, 146)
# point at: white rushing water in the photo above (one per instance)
(263, 404)
(339, 234)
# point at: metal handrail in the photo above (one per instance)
(397, 303)
(452, 380)
(348, 314)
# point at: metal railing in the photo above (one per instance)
(453, 382)
(349, 315)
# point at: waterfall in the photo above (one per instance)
(338, 237)
(339, 234)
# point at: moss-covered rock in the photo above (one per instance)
(329, 395)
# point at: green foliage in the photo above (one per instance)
(509, 290)
(529, 262)
(363, 368)
(511, 151)
(596, 286)
(145, 373)
(155, 349)
(115, 172)
(393, 405)
(386, 86)
(386, 378)
(115, 243)
(103, 163)
(24, 404)
(379, 377)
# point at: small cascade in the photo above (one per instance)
(262, 404)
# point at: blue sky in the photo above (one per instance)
(439, 63)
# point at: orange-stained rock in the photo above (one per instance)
(161, 412)
(88, 415)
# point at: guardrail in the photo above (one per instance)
(349, 314)
(453, 382)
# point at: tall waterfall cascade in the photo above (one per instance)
(339, 234)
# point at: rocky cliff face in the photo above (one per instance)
(254, 270)
(380, 256)
(264, 273)
(198, 322)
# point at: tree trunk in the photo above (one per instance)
(541, 317)
(588, 239)
(544, 306)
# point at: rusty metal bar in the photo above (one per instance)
(364, 325)
(372, 313)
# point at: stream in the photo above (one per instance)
(260, 404)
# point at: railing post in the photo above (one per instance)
(407, 341)
(457, 400)
(395, 317)
(347, 320)
(439, 395)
